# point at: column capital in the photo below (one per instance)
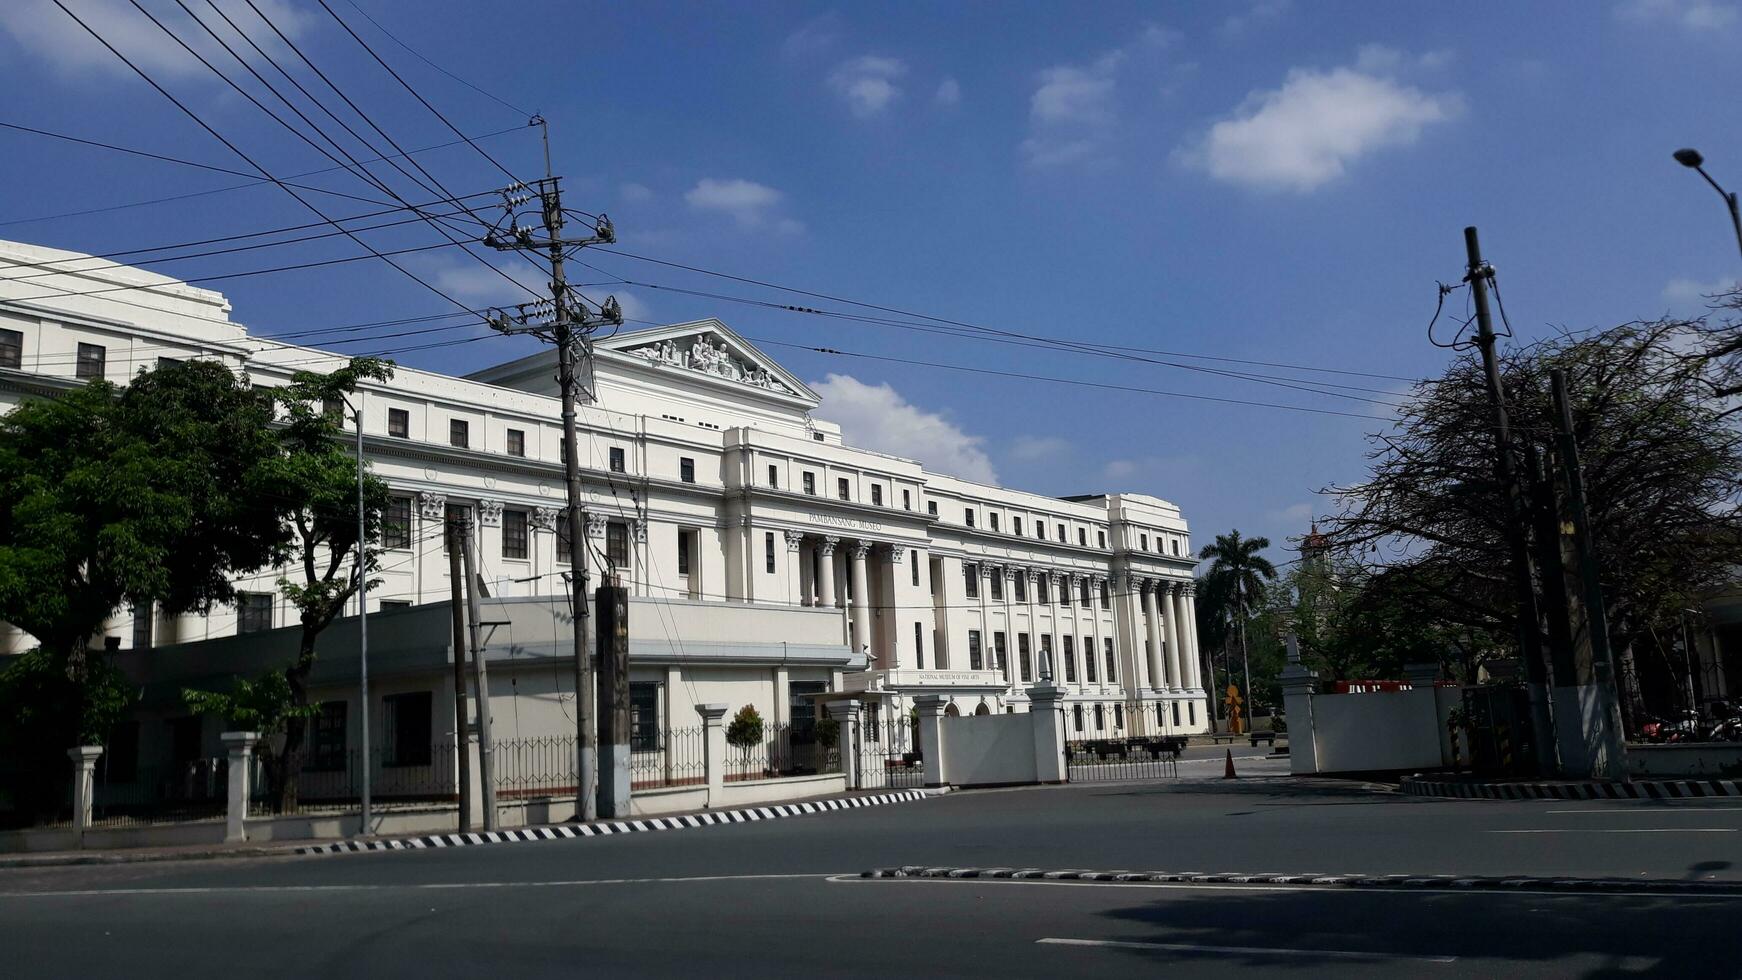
(711, 713)
(640, 530)
(860, 549)
(988, 569)
(930, 705)
(544, 518)
(1187, 589)
(845, 710)
(794, 540)
(827, 546)
(239, 743)
(490, 513)
(895, 553)
(596, 525)
(433, 506)
(1032, 574)
(85, 755)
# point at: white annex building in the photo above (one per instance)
(768, 560)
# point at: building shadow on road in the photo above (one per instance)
(1591, 936)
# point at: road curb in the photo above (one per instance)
(602, 828)
(1646, 789)
(1398, 882)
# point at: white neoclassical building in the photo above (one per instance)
(769, 561)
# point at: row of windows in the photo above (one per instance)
(1025, 665)
(90, 364)
(1019, 587)
(969, 519)
(1175, 546)
(843, 487)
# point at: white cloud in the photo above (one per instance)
(745, 200)
(1120, 469)
(1261, 13)
(949, 93)
(635, 193)
(1037, 449)
(816, 36)
(1688, 293)
(877, 417)
(868, 83)
(43, 29)
(1310, 130)
(1380, 59)
(474, 282)
(1692, 15)
(1292, 515)
(1073, 113)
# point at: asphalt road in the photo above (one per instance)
(779, 898)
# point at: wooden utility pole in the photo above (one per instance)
(462, 740)
(481, 677)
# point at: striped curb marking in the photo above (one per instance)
(1473, 882)
(1656, 789)
(605, 827)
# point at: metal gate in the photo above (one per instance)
(1138, 757)
(889, 754)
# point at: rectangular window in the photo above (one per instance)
(1040, 594)
(326, 738)
(974, 662)
(565, 546)
(1101, 536)
(774, 476)
(1062, 538)
(396, 523)
(1112, 662)
(971, 580)
(1089, 666)
(1070, 657)
(514, 534)
(931, 507)
(1048, 670)
(810, 484)
(1191, 712)
(1106, 597)
(644, 717)
(1083, 592)
(1143, 542)
(142, 627)
(388, 605)
(907, 500)
(968, 517)
(686, 469)
(1021, 584)
(459, 433)
(1016, 525)
(1118, 716)
(617, 465)
(998, 585)
(459, 518)
(919, 645)
(998, 661)
(683, 552)
(876, 494)
(1077, 717)
(516, 442)
(913, 564)
(1082, 537)
(1040, 530)
(617, 545)
(92, 362)
(11, 349)
(399, 423)
(406, 720)
(1024, 659)
(253, 612)
(992, 519)
(768, 552)
(843, 488)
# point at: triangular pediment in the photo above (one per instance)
(711, 349)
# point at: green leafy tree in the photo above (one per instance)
(744, 731)
(263, 705)
(1234, 587)
(146, 495)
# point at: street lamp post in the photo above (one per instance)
(1692, 159)
(363, 619)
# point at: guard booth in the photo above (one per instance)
(1502, 741)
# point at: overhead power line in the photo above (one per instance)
(419, 56)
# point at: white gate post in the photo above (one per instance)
(84, 785)
(1047, 710)
(241, 751)
(847, 713)
(714, 750)
(931, 738)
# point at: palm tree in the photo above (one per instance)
(1237, 576)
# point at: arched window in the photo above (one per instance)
(952, 711)
(982, 709)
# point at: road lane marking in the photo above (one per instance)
(1337, 954)
(425, 886)
(1658, 894)
(1654, 810)
(1624, 830)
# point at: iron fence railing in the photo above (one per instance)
(333, 781)
(673, 758)
(889, 757)
(1137, 757)
(784, 750)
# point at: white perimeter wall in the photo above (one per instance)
(989, 750)
(1372, 732)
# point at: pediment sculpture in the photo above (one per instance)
(708, 355)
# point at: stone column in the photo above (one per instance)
(1059, 675)
(931, 738)
(1099, 653)
(1008, 584)
(1047, 712)
(1178, 650)
(826, 570)
(795, 568)
(847, 714)
(1033, 580)
(714, 750)
(1153, 626)
(240, 747)
(861, 612)
(1188, 631)
(84, 785)
(889, 657)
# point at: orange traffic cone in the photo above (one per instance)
(1228, 772)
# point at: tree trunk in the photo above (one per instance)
(291, 754)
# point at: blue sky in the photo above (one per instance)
(1267, 180)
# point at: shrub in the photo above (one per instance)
(745, 729)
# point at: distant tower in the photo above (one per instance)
(1314, 548)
